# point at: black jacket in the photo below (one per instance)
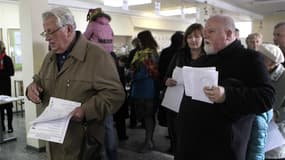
(5, 80)
(221, 131)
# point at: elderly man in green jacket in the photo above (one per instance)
(76, 70)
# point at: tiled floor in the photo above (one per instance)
(16, 150)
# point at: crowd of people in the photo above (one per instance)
(250, 94)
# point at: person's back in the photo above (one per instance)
(99, 30)
(258, 137)
(167, 53)
(273, 57)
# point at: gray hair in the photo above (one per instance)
(226, 21)
(63, 16)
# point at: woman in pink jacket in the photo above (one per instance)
(99, 30)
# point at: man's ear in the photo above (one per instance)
(69, 28)
(229, 34)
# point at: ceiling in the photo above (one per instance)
(263, 7)
(243, 10)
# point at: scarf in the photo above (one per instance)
(146, 57)
(2, 55)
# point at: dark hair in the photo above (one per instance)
(177, 39)
(147, 40)
(135, 42)
(193, 27)
(94, 14)
(279, 25)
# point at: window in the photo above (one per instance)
(14, 36)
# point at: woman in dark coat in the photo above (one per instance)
(6, 70)
(192, 50)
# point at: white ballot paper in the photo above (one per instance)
(274, 137)
(4, 97)
(173, 95)
(52, 124)
(196, 78)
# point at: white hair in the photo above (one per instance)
(227, 22)
(63, 16)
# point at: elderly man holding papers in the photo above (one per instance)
(72, 70)
(221, 129)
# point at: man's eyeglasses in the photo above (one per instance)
(46, 34)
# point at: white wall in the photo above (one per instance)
(266, 26)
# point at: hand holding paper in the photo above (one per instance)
(196, 78)
(78, 114)
(173, 94)
(52, 124)
(215, 93)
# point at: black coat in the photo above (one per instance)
(5, 80)
(165, 58)
(221, 131)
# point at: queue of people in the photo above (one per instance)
(234, 126)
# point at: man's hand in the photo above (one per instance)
(215, 93)
(78, 114)
(170, 82)
(33, 93)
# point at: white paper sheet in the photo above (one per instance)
(195, 79)
(274, 137)
(57, 109)
(173, 95)
(4, 97)
(52, 124)
(7, 99)
(178, 75)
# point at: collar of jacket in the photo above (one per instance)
(231, 48)
(276, 74)
(77, 49)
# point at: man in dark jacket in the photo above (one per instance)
(220, 130)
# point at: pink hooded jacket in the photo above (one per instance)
(100, 32)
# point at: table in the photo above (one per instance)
(3, 100)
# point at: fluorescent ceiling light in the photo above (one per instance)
(175, 12)
(119, 3)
